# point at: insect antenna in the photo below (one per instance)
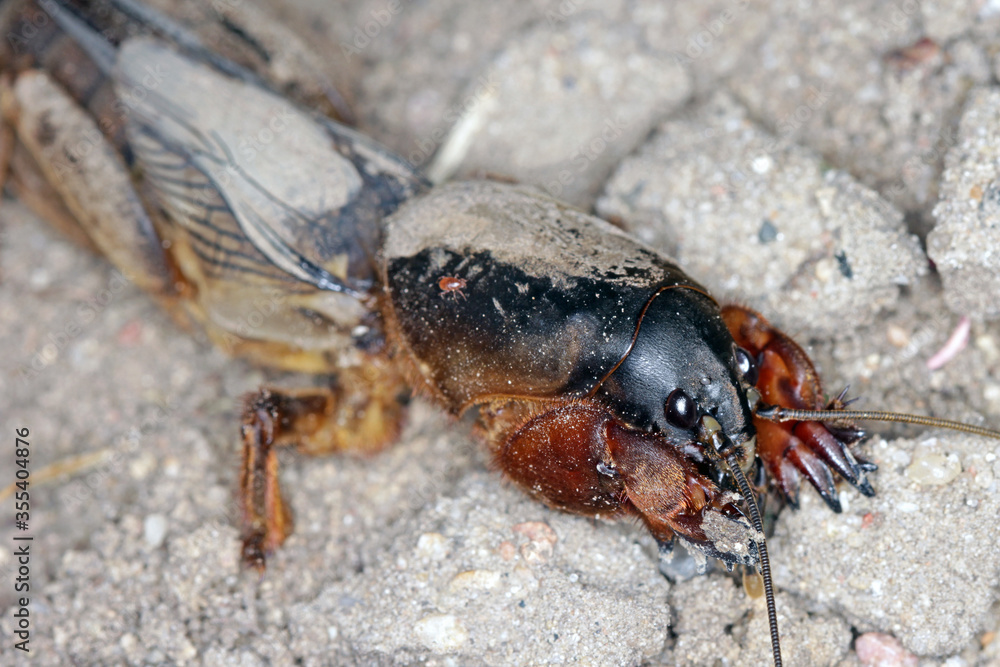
(765, 563)
(779, 414)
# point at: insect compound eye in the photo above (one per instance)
(681, 410)
(747, 366)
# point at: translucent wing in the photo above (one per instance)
(257, 182)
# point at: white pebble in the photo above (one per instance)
(432, 546)
(441, 632)
(935, 469)
(154, 529)
(762, 164)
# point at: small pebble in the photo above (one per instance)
(897, 336)
(474, 580)
(541, 541)
(934, 469)
(507, 550)
(154, 529)
(876, 649)
(441, 632)
(432, 546)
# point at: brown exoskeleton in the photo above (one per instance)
(606, 381)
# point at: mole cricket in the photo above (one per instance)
(605, 380)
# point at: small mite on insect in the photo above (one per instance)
(452, 286)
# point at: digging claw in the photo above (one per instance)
(791, 450)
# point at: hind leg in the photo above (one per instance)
(792, 450)
(360, 413)
(64, 168)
